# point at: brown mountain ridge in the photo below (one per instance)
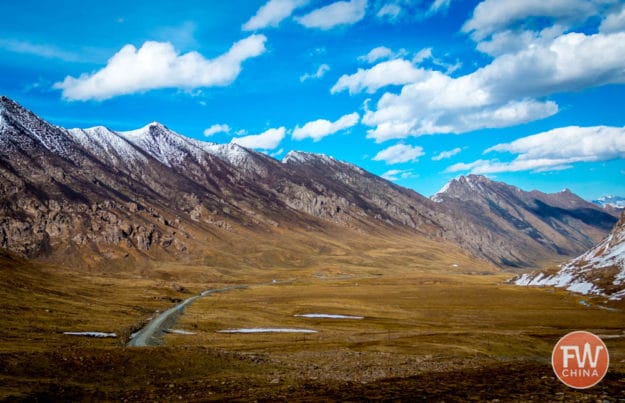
(152, 193)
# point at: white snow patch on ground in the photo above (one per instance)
(328, 316)
(91, 334)
(267, 330)
(179, 331)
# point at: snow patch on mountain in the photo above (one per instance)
(106, 144)
(584, 274)
(437, 197)
(232, 153)
(300, 157)
(23, 121)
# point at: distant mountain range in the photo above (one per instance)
(97, 194)
(611, 201)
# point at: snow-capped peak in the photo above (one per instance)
(460, 185)
(611, 200)
(303, 157)
(105, 143)
(151, 129)
(162, 143)
(300, 157)
(230, 152)
(47, 135)
(437, 197)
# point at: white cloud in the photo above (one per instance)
(45, 51)
(614, 22)
(272, 13)
(278, 153)
(427, 54)
(510, 41)
(267, 140)
(556, 149)
(491, 16)
(158, 65)
(335, 14)
(395, 175)
(391, 72)
(446, 154)
(382, 53)
(321, 71)
(379, 53)
(399, 153)
(506, 92)
(390, 11)
(216, 128)
(321, 128)
(439, 6)
(423, 54)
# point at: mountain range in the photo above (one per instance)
(99, 195)
(614, 202)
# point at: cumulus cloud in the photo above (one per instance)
(272, 13)
(158, 65)
(399, 153)
(216, 128)
(446, 154)
(555, 149)
(510, 41)
(267, 140)
(506, 92)
(321, 71)
(491, 16)
(321, 128)
(379, 53)
(335, 14)
(614, 22)
(395, 175)
(382, 53)
(391, 72)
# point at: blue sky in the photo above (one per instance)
(528, 92)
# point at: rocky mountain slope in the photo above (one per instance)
(600, 271)
(532, 226)
(154, 193)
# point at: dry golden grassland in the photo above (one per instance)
(435, 322)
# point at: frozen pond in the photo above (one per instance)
(267, 330)
(91, 334)
(178, 331)
(328, 316)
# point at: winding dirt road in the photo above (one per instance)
(152, 333)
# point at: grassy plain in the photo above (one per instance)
(437, 325)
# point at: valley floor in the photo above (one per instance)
(433, 327)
